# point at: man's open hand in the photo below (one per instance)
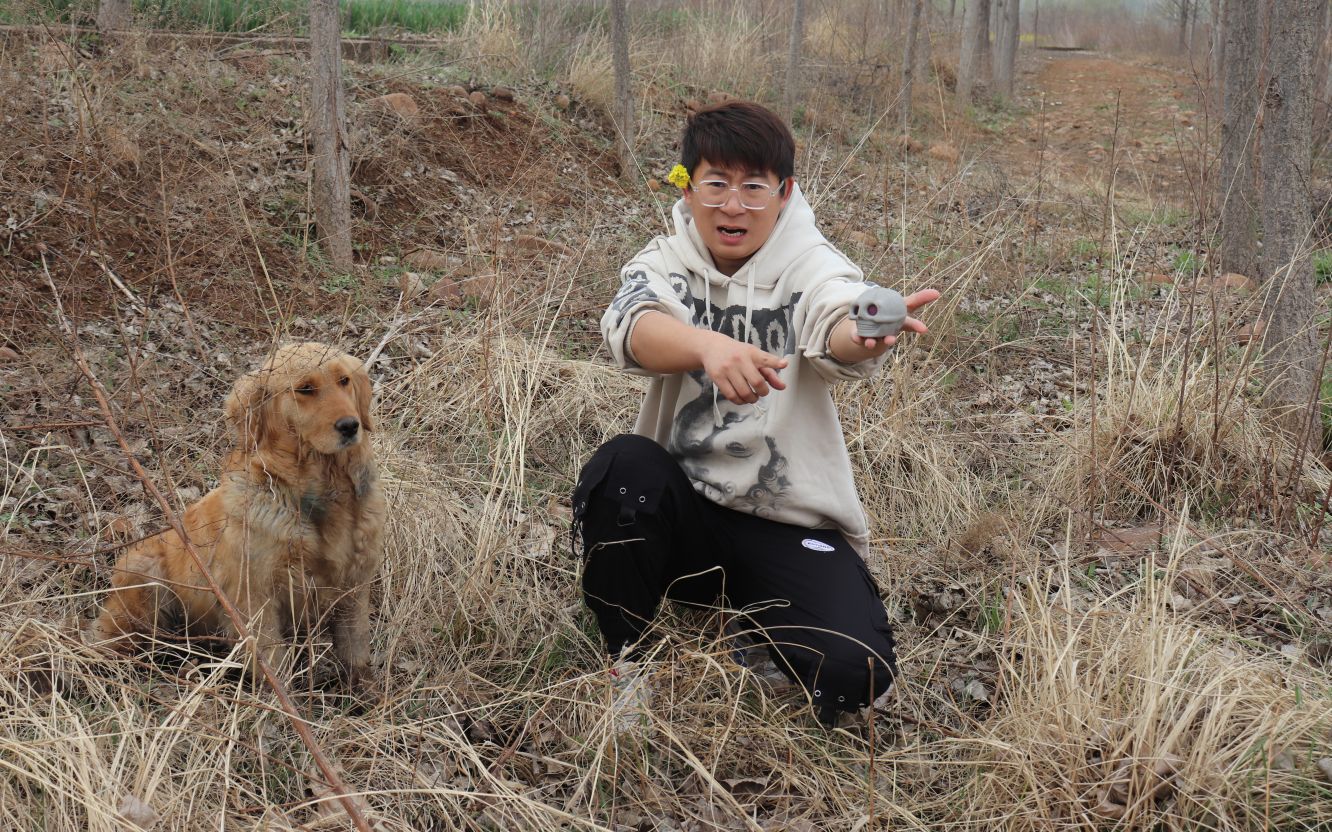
(850, 348)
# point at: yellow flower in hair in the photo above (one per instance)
(679, 177)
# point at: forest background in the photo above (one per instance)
(1099, 532)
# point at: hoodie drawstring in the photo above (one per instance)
(707, 311)
(749, 331)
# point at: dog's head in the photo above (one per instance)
(305, 395)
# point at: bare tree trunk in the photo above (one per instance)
(1006, 29)
(1036, 27)
(924, 48)
(984, 41)
(1217, 45)
(909, 63)
(328, 126)
(113, 15)
(624, 100)
(952, 13)
(1290, 347)
(975, 22)
(1184, 24)
(793, 56)
(1239, 127)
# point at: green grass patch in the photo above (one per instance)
(358, 16)
(1186, 263)
(1322, 263)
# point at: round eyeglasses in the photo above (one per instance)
(755, 196)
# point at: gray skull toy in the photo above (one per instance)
(878, 312)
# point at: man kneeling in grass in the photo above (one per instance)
(736, 482)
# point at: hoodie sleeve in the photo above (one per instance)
(826, 305)
(644, 287)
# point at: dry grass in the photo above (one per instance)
(1048, 683)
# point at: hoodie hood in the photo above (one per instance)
(794, 234)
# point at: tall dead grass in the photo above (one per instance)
(1036, 693)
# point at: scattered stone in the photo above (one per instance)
(428, 259)
(387, 260)
(137, 813)
(1132, 541)
(502, 93)
(944, 152)
(398, 102)
(562, 101)
(447, 292)
(478, 99)
(1325, 766)
(1236, 282)
(531, 242)
(411, 285)
(1250, 332)
(457, 91)
(910, 144)
(864, 239)
(1228, 282)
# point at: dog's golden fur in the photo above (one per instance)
(292, 535)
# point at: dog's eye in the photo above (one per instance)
(306, 390)
(344, 381)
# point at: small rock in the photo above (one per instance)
(1325, 766)
(864, 239)
(530, 242)
(446, 292)
(398, 102)
(1250, 332)
(502, 93)
(944, 152)
(478, 99)
(387, 260)
(137, 812)
(1228, 282)
(427, 258)
(1236, 282)
(910, 144)
(457, 91)
(411, 285)
(562, 101)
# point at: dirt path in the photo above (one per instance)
(1082, 106)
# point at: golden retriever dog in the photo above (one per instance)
(292, 535)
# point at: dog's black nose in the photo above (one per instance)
(347, 426)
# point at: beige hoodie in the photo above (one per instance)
(783, 458)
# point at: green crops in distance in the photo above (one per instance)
(358, 16)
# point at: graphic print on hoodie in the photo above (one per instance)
(783, 458)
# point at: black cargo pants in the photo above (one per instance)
(647, 535)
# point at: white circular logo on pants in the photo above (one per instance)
(816, 545)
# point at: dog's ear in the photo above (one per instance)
(361, 388)
(247, 411)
